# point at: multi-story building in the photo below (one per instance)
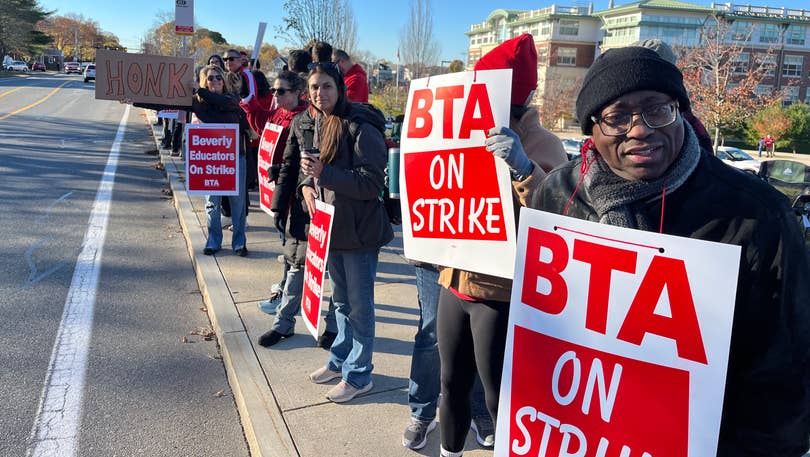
(566, 39)
(569, 38)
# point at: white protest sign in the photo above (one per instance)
(456, 197)
(618, 341)
(184, 17)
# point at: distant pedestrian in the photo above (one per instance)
(770, 146)
(760, 146)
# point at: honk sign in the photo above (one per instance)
(618, 342)
(456, 196)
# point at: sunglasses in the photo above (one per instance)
(315, 65)
(232, 58)
(214, 78)
(280, 91)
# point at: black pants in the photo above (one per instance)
(472, 337)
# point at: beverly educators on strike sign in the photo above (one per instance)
(215, 103)
(645, 170)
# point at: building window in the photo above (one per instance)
(567, 56)
(764, 89)
(795, 35)
(740, 63)
(740, 31)
(768, 33)
(545, 28)
(768, 63)
(792, 66)
(542, 56)
(569, 28)
(791, 95)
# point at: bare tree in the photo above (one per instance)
(416, 40)
(723, 76)
(332, 21)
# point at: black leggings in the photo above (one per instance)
(471, 335)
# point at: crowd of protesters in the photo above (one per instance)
(646, 166)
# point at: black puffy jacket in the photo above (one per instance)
(766, 411)
(353, 182)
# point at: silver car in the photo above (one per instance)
(737, 158)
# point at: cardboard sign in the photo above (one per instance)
(267, 149)
(170, 113)
(456, 196)
(618, 341)
(144, 78)
(320, 229)
(212, 159)
(184, 17)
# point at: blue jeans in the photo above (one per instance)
(238, 216)
(424, 384)
(290, 304)
(352, 275)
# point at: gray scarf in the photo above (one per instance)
(615, 199)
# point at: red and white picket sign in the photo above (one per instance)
(212, 159)
(267, 150)
(320, 229)
(456, 197)
(618, 341)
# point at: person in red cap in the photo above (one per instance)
(474, 308)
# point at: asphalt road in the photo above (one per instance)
(122, 375)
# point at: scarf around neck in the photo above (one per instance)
(616, 199)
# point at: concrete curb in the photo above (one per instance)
(265, 428)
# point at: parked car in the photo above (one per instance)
(37, 66)
(16, 65)
(737, 158)
(72, 67)
(90, 72)
(572, 147)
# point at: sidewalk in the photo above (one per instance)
(283, 414)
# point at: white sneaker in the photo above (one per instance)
(344, 391)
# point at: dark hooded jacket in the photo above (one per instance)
(767, 394)
(353, 182)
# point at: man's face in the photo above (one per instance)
(233, 62)
(341, 63)
(643, 152)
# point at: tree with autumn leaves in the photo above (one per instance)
(722, 78)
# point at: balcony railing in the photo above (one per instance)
(763, 11)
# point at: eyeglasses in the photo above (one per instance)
(231, 58)
(214, 78)
(654, 117)
(315, 65)
(280, 91)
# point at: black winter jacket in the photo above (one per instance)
(766, 411)
(353, 181)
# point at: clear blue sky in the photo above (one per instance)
(379, 21)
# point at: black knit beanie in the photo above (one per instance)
(620, 71)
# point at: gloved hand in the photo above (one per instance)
(503, 142)
(281, 225)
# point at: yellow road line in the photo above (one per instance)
(33, 104)
(10, 91)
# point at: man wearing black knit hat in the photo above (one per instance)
(644, 169)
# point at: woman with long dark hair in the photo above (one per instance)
(343, 161)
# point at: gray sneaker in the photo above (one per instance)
(415, 436)
(484, 430)
(344, 391)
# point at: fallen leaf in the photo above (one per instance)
(204, 309)
(185, 339)
(220, 393)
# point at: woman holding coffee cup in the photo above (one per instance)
(343, 163)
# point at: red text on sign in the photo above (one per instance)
(664, 275)
(420, 121)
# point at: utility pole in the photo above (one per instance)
(75, 44)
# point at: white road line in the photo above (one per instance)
(56, 427)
